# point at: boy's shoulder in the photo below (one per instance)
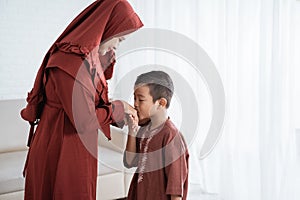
(170, 130)
(172, 135)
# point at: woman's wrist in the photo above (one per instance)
(118, 110)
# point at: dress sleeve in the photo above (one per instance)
(176, 164)
(79, 103)
(116, 108)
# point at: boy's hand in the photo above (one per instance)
(132, 125)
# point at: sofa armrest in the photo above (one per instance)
(117, 142)
(14, 130)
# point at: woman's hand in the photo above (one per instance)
(131, 119)
(129, 110)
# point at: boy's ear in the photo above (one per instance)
(163, 102)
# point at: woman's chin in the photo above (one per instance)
(102, 53)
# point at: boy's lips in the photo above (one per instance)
(139, 116)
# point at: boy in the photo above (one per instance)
(157, 149)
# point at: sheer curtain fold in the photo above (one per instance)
(255, 46)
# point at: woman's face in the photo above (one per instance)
(109, 45)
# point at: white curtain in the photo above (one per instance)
(255, 46)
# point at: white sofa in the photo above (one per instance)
(13, 150)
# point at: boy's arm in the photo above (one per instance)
(176, 170)
(173, 197)
(130, 153)
(130, 156)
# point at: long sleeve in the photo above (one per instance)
(78, 102)
(176, 161)
(135, 155)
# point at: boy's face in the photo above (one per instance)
(143, 103)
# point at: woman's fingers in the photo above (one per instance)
(128, 109)
(131, 117)
(132, 111)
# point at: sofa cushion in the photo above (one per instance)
(109, 161)
(11, 168)
(117, 142)
(110, 186)
(12, 163)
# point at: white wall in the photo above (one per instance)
(27, 30)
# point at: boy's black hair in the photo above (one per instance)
(160, 85)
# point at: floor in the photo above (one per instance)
(196, 193)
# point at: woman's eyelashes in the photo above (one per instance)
(121, 39)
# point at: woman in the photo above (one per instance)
(70, 103)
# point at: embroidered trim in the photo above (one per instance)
(144, 155)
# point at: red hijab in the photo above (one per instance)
(99, 22)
